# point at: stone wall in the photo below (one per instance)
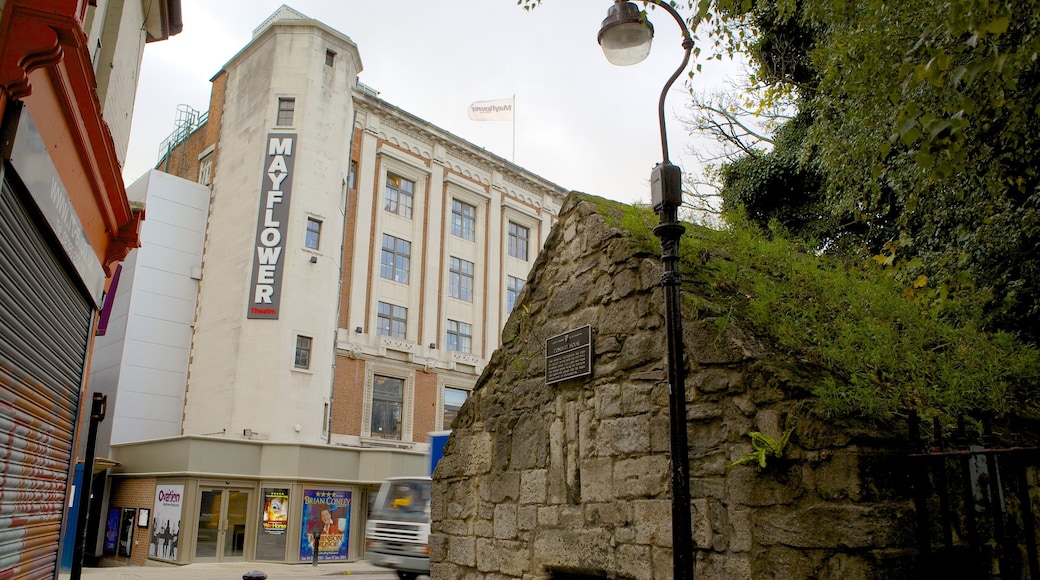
(541, 480)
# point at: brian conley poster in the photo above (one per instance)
(325, 512)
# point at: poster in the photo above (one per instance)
(326, 512)
(276, 511)
(111, 531)
(126, 532)
(166, 522)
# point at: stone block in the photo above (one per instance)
(597, 480)
(660, 434)
(641, 477)
(533, 486)
(514, 558)
(505, 521)
(664, 567)
(740, 529)
(608, 401)
(500, 487)
(530, 445)
(640, 349)
(703, 528)
(462, 551)
(729, 566)
(573, 548)
(624, 436)
(483, 528)
(834, 526)
(637, 398)
(608, 514)
(652, 522)
(549, 516)
(635, 562)
(527, 518)
(438, 547)
(487, 555)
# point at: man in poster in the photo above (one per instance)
(326, 515)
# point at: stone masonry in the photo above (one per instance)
(543, 481)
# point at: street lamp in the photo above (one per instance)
(625, 37)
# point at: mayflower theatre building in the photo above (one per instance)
(358, 266)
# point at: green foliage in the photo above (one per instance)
(884, 344)
(920, 121)
(765, 448)
(882, 350)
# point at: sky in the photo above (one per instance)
(580, 122)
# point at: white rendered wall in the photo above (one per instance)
(141, 363)
(242, 381)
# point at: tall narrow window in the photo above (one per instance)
(205, 168)
(387, 403)
(460, 336)
(352, 175)
(453, 400)
(396, 259)
(391, 320)
(463, 216)
(286, 110)
(518, 241)
(399, 195)
(303, 352)
(313, 238)
(513, 288)
(460, 279)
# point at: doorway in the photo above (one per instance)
(222, 527)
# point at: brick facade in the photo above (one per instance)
(137, 494)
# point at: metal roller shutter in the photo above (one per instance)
(44, 333)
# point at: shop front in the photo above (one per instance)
(318, 514)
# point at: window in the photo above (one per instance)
(387, 403)
(330, 58)
(453, 400)
(460, 336)
(303, 352)
(205, 168)
(396, 258)
(460, 279)
(391, 320)
(352, 175)
(462, 218)
(513, 288)
(517, 241)
(399, 195)
(286, 108)
(313, 233)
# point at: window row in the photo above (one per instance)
(392, 320)
(398, 199)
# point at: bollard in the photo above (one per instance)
(316, 536)
(254, 575)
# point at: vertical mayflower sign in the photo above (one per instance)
(266, 282)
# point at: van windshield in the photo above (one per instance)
(403, 500)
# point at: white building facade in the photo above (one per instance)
(358, 266)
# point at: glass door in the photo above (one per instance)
(221, 533)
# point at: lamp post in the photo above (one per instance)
(625, 37)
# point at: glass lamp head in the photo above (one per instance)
(625, 34)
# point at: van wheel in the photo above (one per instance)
(406, 575)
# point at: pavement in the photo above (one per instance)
(236, 570)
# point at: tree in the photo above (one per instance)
(923, 125)
(916, 140)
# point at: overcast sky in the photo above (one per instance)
(580, 122)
